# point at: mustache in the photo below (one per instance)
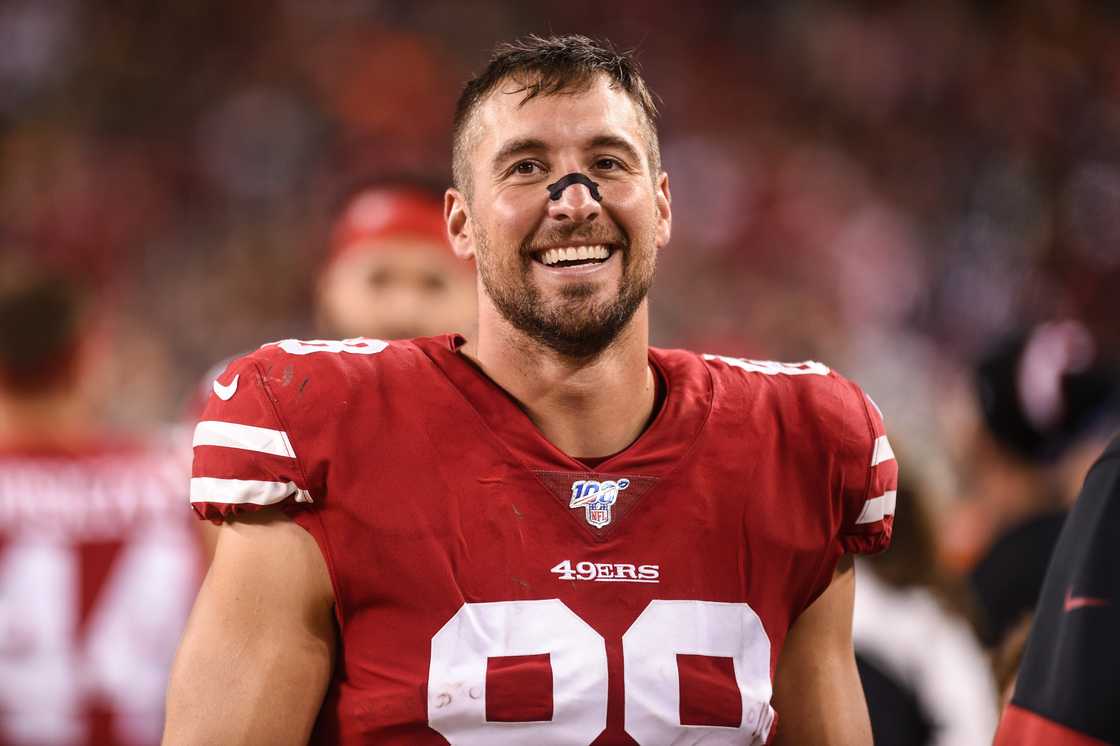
(579, 234)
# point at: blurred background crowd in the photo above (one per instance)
(925, 196)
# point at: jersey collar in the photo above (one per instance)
(656, 452)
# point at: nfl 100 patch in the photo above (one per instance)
(597, 499)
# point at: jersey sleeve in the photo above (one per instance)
(1066, 688)
(868, 476)
(244, 459)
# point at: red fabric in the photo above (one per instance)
(1020, 727)
(95, 561)
(251, 404)
(434, 496)
(709, 693)
(518, 688)
(382, 212)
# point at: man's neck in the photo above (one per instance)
(585, 407)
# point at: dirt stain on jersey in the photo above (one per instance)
(516, 512)
(302, 385)
(444, 698)
(289, 373)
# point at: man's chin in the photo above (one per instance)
(579, 292)
(577, 319)
(577, 330)
(577, 342)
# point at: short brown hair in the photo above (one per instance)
(41, 321)
(546, 66)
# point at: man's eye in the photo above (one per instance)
(525, 168)
(433, 283)
(379, 278)
(607, 164)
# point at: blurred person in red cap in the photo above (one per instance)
(390, 272)
(550, 533)
(97, 563)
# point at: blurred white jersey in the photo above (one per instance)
(933, 654)
(99, 565)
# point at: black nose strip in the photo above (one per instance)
(557, 188)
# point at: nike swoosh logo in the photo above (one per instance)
(1080, 602)
(225, 393)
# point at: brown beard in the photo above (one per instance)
(574, 326)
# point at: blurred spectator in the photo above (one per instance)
(1040, 393)
(390, 273)
(1066, 690)
(387, 272)
(924, 673)
(97, 563)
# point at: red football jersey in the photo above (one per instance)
(98, 570)
(492, 590)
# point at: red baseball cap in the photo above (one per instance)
(377, 213)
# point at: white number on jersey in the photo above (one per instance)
(577, 654)
(479, 631)
(355, 346)
(650, 648)
(772, 368)
(47, 673)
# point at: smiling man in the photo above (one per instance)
(550, 533)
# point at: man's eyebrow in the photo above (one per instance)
(517, 147)
(614, 141)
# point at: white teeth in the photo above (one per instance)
(575, 254)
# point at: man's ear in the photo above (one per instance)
(456, 214)
(664, 199)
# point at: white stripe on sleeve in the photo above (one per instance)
(242, 491)
(245, 437)
(878, 507)
(882, 451)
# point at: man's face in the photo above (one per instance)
(396, 290)
(577, 305)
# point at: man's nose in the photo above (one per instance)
(575, 204)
